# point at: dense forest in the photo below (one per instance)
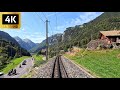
(81, 36)
(9, 51)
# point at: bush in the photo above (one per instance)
(65, 49)
(38, 63)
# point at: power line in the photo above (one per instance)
(56, 30)
(47, 43)
(39, 17)
(51, 28)
(56, 20)
(45, 16)
(29, 26)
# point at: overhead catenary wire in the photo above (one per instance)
(45, 16)
(51, 26)
(48, 21)
(56, 20)
(51, 29)
(47, 42)
(56, 30)
(39, 17)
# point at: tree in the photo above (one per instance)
(65, 49)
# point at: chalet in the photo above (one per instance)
(43, 51)
(110, 36)
(106, 39)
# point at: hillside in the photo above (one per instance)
(52, 41)
(7, 37)
(80, 36)
(25, 43)
(9, 49)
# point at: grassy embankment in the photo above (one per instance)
(38, 60)
(13, 64)
(102, 63)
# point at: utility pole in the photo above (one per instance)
(47, 39)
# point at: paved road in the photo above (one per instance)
(23, 70)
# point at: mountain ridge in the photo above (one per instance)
(51, 40)
(9, 49)
(81, 36)
(25, 43)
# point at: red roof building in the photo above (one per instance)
(110, 36)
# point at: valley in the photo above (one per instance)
(87, 50)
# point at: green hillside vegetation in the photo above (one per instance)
(15, 62)
(38, 60)
(81, 36)
(52, 41)
(102, 63)
(9, 51)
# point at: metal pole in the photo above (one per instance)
(46, 39)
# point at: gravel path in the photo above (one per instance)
(23, 70)
(73, 71)
(45, 70)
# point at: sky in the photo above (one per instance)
(33, 24)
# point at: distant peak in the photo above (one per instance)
(18, 38)
(27, 40)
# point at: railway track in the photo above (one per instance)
(59, 69)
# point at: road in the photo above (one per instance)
(23, 70)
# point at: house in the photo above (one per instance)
(106, 39)
(110, 36)
(43, 51)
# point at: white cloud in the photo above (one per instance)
(35, 37)
(38, 33)
(60, 27)
(83, 18)
(54, 14)
(38, 40)
(39, 36)
(51, 14)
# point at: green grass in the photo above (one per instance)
(38, 57)
(38, 60)
(103, 63)
(13, 64)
